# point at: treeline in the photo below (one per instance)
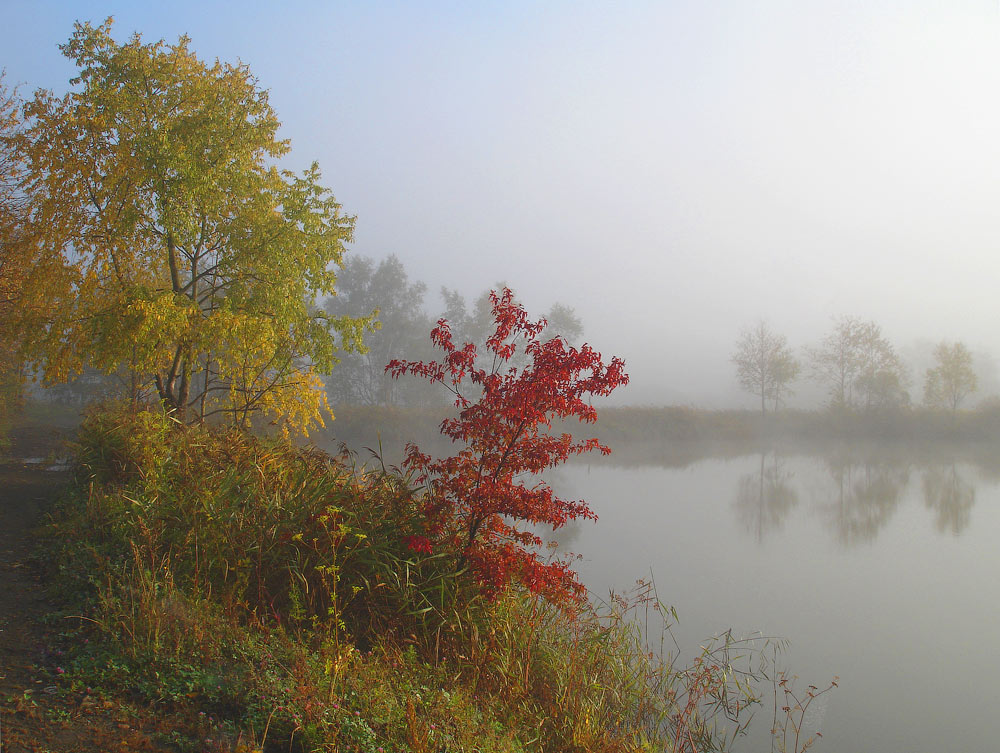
(399, 319)
(151, 250)
(858, 367)
(402, 325)
(156, 253)
(675, 436)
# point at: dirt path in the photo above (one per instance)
(37, 713)
(24, 494)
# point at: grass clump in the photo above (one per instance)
(270, 587)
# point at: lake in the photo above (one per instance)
(877, 567)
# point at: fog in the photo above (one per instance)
(673, 172)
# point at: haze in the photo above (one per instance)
(674, 172)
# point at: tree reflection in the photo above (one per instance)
(566, 535)
(950, 497)
(866, 494)
(764, 498)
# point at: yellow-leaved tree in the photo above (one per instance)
(177, 251)
(11, 268)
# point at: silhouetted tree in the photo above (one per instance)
(385, 290)
(474, 324)
(948, 383)
(564, 322)
(859, 366)
(764, 364)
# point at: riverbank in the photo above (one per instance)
(676, 436)
(38, 711)
(263, 596)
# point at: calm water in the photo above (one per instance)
(880, 570)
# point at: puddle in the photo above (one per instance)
(49, 464)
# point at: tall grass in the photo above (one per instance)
(271, 585)
(683, 424)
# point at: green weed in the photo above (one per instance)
(270, 586)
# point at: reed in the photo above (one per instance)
(271, 587)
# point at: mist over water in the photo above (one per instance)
(673, 172)
(870, 563)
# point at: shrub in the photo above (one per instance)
(272, 587)
(478, 498)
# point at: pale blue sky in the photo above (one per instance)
(671, 170)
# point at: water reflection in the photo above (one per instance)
(855, 491)
(863, 497)
(765, 497)
(950, 497)
(837, 547)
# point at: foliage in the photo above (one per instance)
(15, 259)
(276, 530)
(11, 398)
(13, 206)
(209, 574)
(952, 379)
(579, 667)
(477, 500)
(175, 248)
(362, 288)
(563, 321)
(475, 323)
(764, 364)
(468, 324)
(860, 367)
(207, 552)
(399, 330)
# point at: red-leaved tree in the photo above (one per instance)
(478, 499)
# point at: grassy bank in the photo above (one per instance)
(682, 424)
(267, 591)
(362, 426)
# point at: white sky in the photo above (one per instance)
(673, 171)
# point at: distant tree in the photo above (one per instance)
(881, 379)
(180, 250)
(952, 379)
(93, 386)
(564, 322)
(836, 361)
(468, 324)
(860, 367)
(475, 323)
(385, 290)
(764, 365)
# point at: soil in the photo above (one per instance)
(37, 711)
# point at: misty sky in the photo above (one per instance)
(672, 170)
